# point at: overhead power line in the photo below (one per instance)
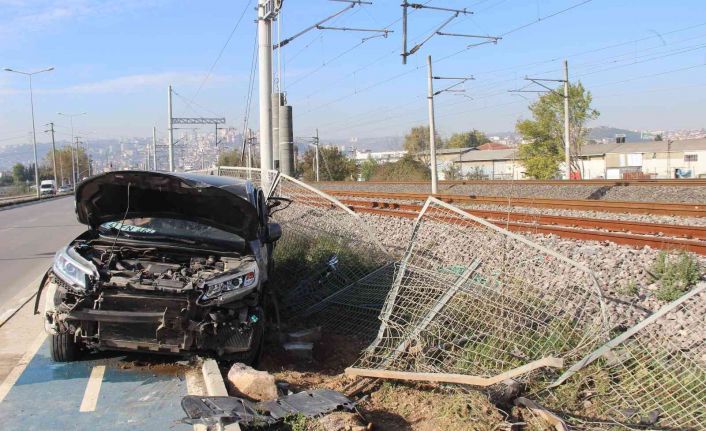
(223, 48)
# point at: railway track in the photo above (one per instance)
(620, 232)
(629, 207)
(608, 183)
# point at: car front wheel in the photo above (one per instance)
(63, 347)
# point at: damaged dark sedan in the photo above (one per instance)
(170, 263)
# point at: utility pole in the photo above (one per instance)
(432, 126)
(154, 148)
(266, 13)
(34, 132)
(567, 135)
(317, 155)
(53, 152)
(405, 5)
(170, 131)
(432, 129)
(73, 165)
(78, 162)
(565, 96)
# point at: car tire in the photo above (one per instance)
(63, 348)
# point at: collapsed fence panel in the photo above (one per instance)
(328, 263)
(471, 298)
(652, 376)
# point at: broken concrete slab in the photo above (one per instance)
(251, 383)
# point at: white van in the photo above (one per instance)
(47, 187)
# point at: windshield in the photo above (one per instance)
(174, 230)
(46, 186)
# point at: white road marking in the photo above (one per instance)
(16, 372)
(90, 397)
(21, 302)
(195, 387)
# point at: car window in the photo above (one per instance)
(166, 227)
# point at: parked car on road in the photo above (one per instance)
(64, 189)
(47, 188)
(170, 263)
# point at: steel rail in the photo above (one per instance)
(633, 240)
(598, 182)
(629, 207)
(672, 230)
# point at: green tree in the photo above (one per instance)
(408, 168)
(20, 173)
(334, 165)
(471, 139)
(368, 168)
(230, 158)
(64, 164)
(658, 137)
(543, 150)
(416, 143)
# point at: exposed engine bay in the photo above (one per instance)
(160, 300)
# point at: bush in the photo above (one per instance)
(405, 169)
(676, 274)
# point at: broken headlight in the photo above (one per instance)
(72, 268)
(230, 286)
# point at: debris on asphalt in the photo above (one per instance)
(251, 383)
(212, 411)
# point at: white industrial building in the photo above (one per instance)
(647, 159)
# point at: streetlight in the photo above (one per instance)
(34, 132)
(74, 167)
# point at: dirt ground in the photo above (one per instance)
(393, 406)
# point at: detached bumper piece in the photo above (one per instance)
(213, 411)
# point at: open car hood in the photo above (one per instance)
(215, 201)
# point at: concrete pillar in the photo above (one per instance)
(277, 101)
(286, 140)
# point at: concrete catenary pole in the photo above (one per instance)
(405, 5)
(170, 131)
(286, 140)
(432, 129)
(53, 153)
(317, 155)
(154, 148)
(277, 101)
(567, 133)
(264, 31)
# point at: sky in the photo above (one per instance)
(643, 61)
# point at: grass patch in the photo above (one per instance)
(675, 273)
(629, 289)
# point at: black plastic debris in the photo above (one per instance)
(212, 411)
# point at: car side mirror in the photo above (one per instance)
(274, 232)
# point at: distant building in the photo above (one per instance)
(493, 146)
(378, 156)
(646, 159)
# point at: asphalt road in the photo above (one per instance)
(30, 234)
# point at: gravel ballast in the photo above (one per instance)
(637, 193)
(623, 273)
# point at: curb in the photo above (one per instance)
(215, 387)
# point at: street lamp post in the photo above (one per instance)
(34, 132)
(74, 164)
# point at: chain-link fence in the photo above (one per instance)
(653, 376)
(328, 262)
(471, 298)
